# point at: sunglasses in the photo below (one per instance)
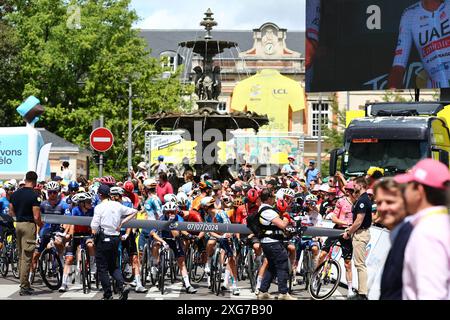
(52, 192)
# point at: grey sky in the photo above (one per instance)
(230, 14)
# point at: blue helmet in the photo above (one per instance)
(73, 185)
(160, 158)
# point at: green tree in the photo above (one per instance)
(78, 58)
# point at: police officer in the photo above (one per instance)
(272, 245)
(106, 225)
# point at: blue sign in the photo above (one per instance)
(13, 153)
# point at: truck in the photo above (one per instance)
(394, 136)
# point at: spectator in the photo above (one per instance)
(189, 182)
(290, 168)
(66, 173)
(392, 212)
(426, 268)
(373, 174)
(25, 206)
(164, 187)
(311, 173)
(359, 231)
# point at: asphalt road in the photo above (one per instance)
(9, 290)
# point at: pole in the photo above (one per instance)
(319, 138)
(130, 118)
(100, 157)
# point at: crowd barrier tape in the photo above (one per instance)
(183, 226)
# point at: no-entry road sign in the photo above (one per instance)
(101, 139)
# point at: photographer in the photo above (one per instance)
(272, 226)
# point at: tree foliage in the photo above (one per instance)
(78, 58)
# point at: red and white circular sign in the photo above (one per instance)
(101, 139)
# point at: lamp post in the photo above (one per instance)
(319, 140)
(130, 119)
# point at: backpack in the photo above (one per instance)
(254, 225)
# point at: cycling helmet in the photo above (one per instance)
(252, 195)
(170, 197)
(53, 186)
(289, 192)
(160, 158)
(74, 199)
(170, 206)
(128, 186)
(9, 186)
(237, 202)
(83, 196)
(310, 198)
(282, 205)
(150, 183)
(115, 191)
(110, 181)
(182, 199)
(207, 202)
(73, 186)
(293, 185)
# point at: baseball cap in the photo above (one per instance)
(291, 157)
(57, 178)
(103, 189)
(324, 187)
(312, 161)
(429, 172)
(316, 187)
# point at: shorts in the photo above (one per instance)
(143, 239)
(130, 244)
(308, 244)
(75, 242)
(176, 246)
(226, 245)
(346, 246)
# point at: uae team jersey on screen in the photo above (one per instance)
(313, 19)
(430, 32)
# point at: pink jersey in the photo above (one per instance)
(343, 210)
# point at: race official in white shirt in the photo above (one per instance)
(107, 217)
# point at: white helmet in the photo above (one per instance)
(311, 198)
(150, 183)
(170, 197)
(207, 201)
(170, 206)
(289, 192)
(9, 185)
(116, 191)
(53, 186)
(83, 196)
(182, 199)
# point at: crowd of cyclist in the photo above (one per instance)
(200, 199)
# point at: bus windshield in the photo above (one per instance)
(393, 155)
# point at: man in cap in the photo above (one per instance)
(426, 267)
(106, 225)
(312, 173)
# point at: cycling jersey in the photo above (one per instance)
(127, 202)
(77, 212)
(221, 217)
(58, 209)
(194, 216)
(153, 207)
(430, 32)
(313, 19)
(164, 233)
(4, 205)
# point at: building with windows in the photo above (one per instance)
(268, 47)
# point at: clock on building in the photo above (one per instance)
(269, 48)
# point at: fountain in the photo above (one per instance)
(207, 88)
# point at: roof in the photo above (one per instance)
(167, 40)
(58, 143)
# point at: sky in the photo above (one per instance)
(229, 14)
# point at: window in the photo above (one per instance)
(314, 116)
(170, 59)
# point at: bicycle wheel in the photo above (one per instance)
(173, 267)
(14, 261)
(251, 269)
(162, 272)
(84, 276)
(127, 268)
(325, 280)
(198, 272)
(219, 271)
(308, 268)
(291, 276)
(241, 264)
(144, 266)
(4, 263)
(50, 269)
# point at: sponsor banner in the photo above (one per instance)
(13, 153)
(377, 45)
(42, 164)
